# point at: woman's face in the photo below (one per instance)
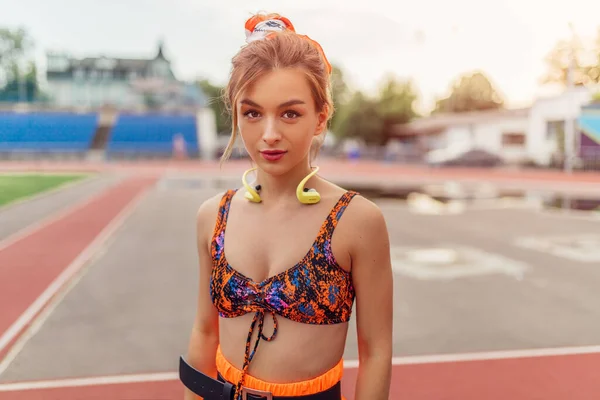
(277, 120)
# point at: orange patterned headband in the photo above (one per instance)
(260, 27)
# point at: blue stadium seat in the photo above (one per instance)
(152, 133)
(46, 132)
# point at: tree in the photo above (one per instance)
(585, 63)
(470, 92)
(339, 92)
(558, 60)
(14, 45)
(369, 119)
(18, 73)
(360, 118)
(215, 101)
(396, 101)
(150, 101)
(26, 90)
(339, 88)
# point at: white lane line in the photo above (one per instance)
(58, 283)
(78, 382)
(490, 355)
(348, 364)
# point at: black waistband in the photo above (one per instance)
(213, 389)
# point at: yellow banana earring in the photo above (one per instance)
(304, 195)
(251, 192)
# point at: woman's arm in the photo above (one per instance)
(373, 282)
(204, 338)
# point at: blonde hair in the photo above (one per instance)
(283, 50)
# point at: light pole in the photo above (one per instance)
(569, 137)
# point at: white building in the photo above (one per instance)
(124, 83)
(533, 134)
(500, 132)
(547, 123)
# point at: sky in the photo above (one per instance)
(430, 41)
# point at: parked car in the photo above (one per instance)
(470, 158)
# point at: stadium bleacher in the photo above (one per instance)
(59, 134)
(152, 134)
(46, 132)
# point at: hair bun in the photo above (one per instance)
(260, 26)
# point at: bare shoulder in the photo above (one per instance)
(361, 212)
(209, 208)
(368, 238)
(207, 213)
(361, 229)
(365, 216)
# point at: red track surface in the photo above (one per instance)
(30, 264)
(130, 391)
(360, 168)
(573, 377)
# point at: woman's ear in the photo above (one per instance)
(322, 119)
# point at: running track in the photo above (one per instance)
(34, 263)
(518, 377)
(361, 169)
(45, 257)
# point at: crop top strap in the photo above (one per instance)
(223, 211)
(221, 223)
(334, 216)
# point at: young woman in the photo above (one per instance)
(290, 254)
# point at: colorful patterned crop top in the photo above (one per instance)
(314, 291)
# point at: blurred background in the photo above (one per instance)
(474, 125)
(484, 83)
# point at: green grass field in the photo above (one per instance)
(14, 187)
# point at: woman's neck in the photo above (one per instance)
(277, 188)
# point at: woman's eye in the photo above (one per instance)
(251, 114)
(291, 114)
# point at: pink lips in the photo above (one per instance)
(272, 155)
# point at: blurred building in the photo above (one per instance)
(110, 107)
(123, 83)
(533, 135)
(548, 124)
(445, 136)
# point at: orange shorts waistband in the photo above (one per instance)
(321, 383)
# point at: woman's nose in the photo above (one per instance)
(271, 134)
